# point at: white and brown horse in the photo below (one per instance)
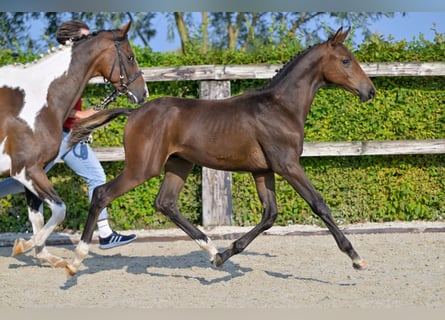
(36, 99)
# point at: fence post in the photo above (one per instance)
(216, 185)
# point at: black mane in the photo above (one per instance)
(287, 66)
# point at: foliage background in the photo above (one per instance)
(357, 189)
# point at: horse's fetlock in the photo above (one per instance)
(269, 222)
(217, 260)
(82, 249)
(235, 248)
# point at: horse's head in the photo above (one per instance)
(116, 62)
(341, 68)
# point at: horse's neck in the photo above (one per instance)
(64, 92)
(298, 85)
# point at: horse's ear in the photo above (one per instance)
(125, 28)
(340, 36)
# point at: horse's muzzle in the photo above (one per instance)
(135, 98)
(366, 95)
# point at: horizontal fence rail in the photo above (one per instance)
(267, 71)
(215, 84)
(330, 149)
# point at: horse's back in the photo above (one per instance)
(185, 114)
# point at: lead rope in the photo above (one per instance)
(101, 106)
(111, 98)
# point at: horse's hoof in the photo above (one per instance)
(18, 247)
(217, 261)
(360, 265)
(69, 271)
(61, 263)
(54, 262)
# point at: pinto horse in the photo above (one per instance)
(260, 132)
(36, 99)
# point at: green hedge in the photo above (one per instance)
(357, 189)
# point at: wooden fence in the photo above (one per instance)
(215, 84)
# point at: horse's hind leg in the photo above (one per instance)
(176, 171)
(35, 215)
(265, 185)
(298, 179)
(41, 185)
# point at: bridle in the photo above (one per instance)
(123, 73)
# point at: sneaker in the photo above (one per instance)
(115, 239)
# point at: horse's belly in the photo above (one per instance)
(229, 161)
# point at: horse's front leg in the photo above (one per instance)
(265, 185)
(296, 176)
(98, 202)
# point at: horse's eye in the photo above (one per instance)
(130, 58)
(346, 62)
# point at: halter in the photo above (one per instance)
(112, 97)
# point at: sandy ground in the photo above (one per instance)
(284, 268)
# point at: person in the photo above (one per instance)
(80, 158)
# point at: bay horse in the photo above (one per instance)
(260, 132)
(35, 100)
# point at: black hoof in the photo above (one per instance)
(360, 265)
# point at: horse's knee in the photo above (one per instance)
(100, 199)
(98, 194)
(61, 213)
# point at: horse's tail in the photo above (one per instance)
(84, 127)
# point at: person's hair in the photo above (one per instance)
(70, 30)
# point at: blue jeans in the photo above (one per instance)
(81, 159)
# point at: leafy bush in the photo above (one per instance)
(357, 189)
